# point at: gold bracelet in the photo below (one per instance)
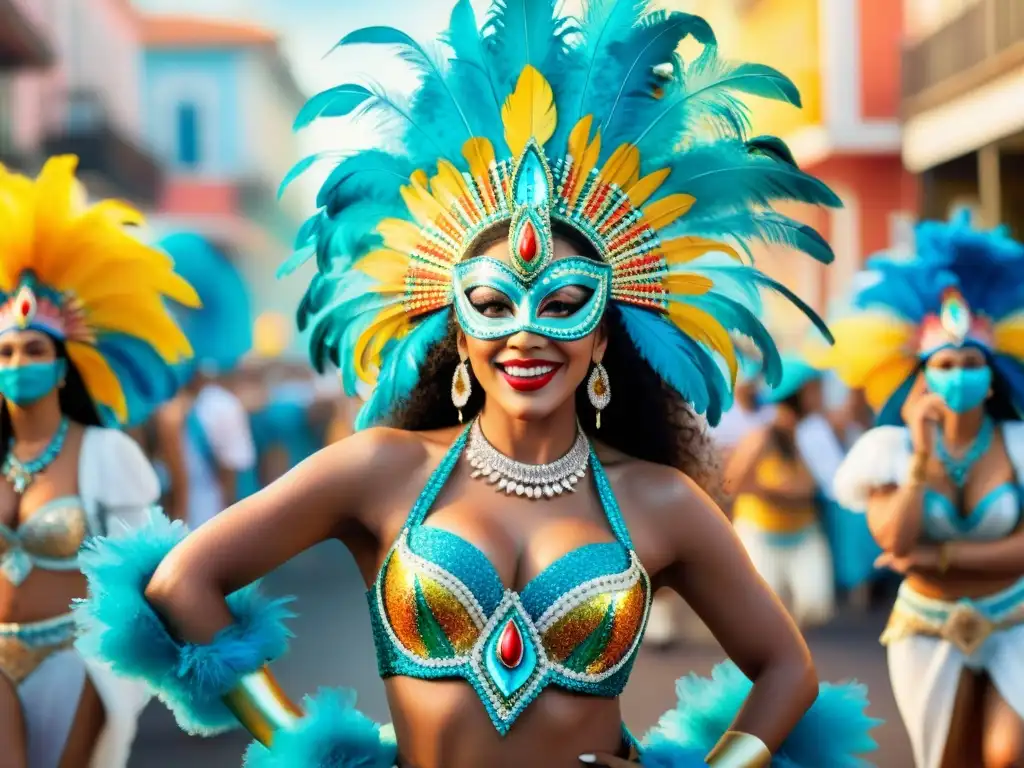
(918, 473)
(945, 557)
(739, 750)
(261, 706)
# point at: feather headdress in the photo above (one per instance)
(595, 124)
(74, 271)
(220, 331)
(963, 287)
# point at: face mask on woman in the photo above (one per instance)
(962, 389)
(27, 384)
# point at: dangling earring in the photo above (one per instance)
(462, 387)
(599, 390)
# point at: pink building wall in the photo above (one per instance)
(98, 49)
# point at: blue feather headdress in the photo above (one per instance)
(963, 287)
(533, 118)
(220, 331)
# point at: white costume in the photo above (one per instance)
(225, 442)
(116, 485)
(930, 642)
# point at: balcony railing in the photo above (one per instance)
(984, 41)
(85, 128)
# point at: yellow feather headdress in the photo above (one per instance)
(73, 271)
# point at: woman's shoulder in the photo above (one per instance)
(399, 452)
(652, 487)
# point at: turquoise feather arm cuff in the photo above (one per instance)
(119, 627)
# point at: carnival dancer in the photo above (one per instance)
(938, 345)
(206, 440)
(539, 282)
(86, 346)
(777, 474)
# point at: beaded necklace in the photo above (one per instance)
(959, 468)
(21, 474)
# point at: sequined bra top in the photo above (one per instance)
(49, 539)
(439, 610)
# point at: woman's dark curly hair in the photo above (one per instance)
(646, 419)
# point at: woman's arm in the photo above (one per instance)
(714, 575)
(1004, 557)
(895, 515)
(327, 496)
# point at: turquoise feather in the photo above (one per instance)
(339, 101)
(765, 227)
(401, 371)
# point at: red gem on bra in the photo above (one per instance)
(510, 646)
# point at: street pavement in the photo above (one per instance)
(333, 647)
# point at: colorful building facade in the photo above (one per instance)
(963, 100)
(86, 101)
(844, 56)
(219, 103)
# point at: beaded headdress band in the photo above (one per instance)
(34, 307)
(954, 325)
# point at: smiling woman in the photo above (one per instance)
(543, 257)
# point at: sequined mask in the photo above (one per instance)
(528, 295)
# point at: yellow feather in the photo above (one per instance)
(585, 154)
(400, 235)
(133, 276)
(381, 329)
(448, 185)
(99, 379)
(860, 343)
(704, 328)
(680, 250)
(663, 212)
(687, 285)
(623, 167)
(641, 192)
(1008, 337)
(479, 153)
(885, 379)
(144, 317)
(384, 265)
(529, 112)
(119, 213)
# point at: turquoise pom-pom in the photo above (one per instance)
(332, 734)
(118, 626)
(834, 733)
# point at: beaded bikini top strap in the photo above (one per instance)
(608, 502)
(438, 478)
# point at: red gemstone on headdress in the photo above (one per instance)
(25, 308)
(528, 242)
(510, 645)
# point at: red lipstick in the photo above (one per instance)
(538, 373)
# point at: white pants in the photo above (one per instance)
(798, 568)
(925, 674)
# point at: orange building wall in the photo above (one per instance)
(881, 29)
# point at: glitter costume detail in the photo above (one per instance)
(439, 610)
(50, 539)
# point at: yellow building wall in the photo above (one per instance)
(783, 34)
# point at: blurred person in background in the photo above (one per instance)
(937, 343)
(749, 412)
(510, 558)
(86, 347)
(773, 473)
(205, 439)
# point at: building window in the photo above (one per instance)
(188, 135)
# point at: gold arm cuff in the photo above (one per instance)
(739, 750)
(261, 706)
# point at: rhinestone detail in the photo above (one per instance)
(534, 481)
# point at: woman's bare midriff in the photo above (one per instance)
(43, 595)
(443, 724)
(952, 588)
